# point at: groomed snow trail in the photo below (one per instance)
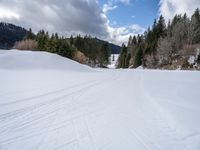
(78, 108)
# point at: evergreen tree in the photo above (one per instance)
(104, 53)
(130, 41)
(134, 40)
(127, 60)
(138, 57)
(195, 23)
(65, 49)
(122, 58)
(161, 27)
(29, 35)
(71, 40)
(42, 39)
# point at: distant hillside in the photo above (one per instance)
(9, 34)
(115, 48)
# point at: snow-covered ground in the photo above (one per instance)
(51, 103)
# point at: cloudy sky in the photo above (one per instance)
(112, 20)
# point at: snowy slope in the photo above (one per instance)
(75, 108)
(14, 59)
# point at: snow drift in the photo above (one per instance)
(66, 106)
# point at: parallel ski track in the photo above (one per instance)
(7, 120)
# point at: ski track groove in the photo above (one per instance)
(190, 136)
(90, 134)
(140, 134)
(45, 94)
(38, 105)
(146, 146)
(66, 144)
(23, 111)
(47, 132)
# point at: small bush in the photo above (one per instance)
(26, 45)
(80, 57)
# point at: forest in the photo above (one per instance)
(170, 46)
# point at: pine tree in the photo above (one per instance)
(195, 23)
(161, 27)
(104, 54)
(30, 35)
(65, 49)
(71, 40)
(134, 40)
(127, 60)
(138, 57)
(41, 39)
(122, 57)
(130, 41)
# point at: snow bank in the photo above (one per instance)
(15, 59)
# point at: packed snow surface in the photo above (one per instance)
(51, 103)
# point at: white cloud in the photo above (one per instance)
(66, 18)
(122, 1)
(111, 4)
(9, 14)
(71, 16)
(107, 7)
(169, 8)
(137, 29)
(121, 35)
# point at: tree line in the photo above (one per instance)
(96, 51)
(161, 44)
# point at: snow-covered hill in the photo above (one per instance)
(49, 103)
(15, 59)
